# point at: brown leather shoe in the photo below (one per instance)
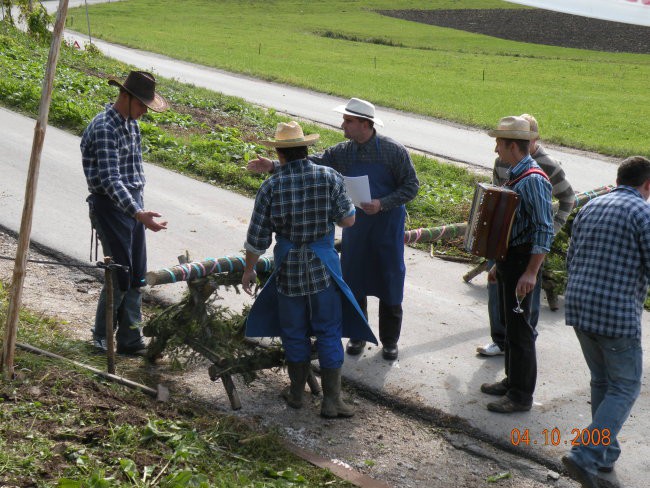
(497, 389)
(136, 350)
(578, 473)
(506, 405)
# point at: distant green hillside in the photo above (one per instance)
(584, 99)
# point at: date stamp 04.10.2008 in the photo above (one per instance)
(553, 437)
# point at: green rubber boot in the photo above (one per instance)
(332, 406)
(298, 373)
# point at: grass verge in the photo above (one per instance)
(60, 426)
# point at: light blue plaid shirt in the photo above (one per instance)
(609, 264)
(534, 217)
(111, 153)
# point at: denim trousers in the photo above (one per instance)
(615, 364)
(319, 314)
(520, 352)
(497, 324)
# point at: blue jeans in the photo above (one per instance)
(319, 314)
(127, 316)
(616, 367)
(497, 324)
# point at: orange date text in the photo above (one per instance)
(554, 437)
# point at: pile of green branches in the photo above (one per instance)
(197, 328)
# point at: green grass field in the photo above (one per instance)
(584, 99)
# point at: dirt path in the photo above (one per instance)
(379, 441)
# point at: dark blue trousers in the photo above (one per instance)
(520, 353)
(122, 238)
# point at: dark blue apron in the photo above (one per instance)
(263, 319)
(372, 250)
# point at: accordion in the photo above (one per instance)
(490, 221)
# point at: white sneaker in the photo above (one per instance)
(491, 349)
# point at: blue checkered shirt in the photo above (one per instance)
(301, 201)
(111, 153)
(533, 222)
(608, 264)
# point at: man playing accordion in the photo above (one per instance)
(517, 274)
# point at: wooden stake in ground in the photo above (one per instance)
(9, 344)
(110, 336)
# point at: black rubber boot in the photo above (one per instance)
(298, 373)
(333, 406)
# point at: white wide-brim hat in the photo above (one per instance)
(359, 108)
(513, 128)
(290, 135)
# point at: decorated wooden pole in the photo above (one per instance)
(11, 326)
(200, 269)
(434, 234)
(584, 197)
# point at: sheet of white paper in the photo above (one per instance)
(358, 188)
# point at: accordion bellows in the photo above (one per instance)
(490, 221)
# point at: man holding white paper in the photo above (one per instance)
(358, 189)
(372, 254)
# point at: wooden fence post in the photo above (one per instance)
(11, 326)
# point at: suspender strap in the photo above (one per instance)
(531, 171)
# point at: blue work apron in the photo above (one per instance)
(263, 319)
(372, 250)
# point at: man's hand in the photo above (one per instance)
(526, 284)
(260, 165)
(147, 218)
(372, 207)
(248, 278)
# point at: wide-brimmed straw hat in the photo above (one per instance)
(290, 135)
(513, 128)
(142, 85)
(359, 108)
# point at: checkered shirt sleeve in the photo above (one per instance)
(608, 265)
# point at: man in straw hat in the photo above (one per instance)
(566, 197)
(516, 276)
(372, 251)
(306, 295)
(112, 161)
(608, 264)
